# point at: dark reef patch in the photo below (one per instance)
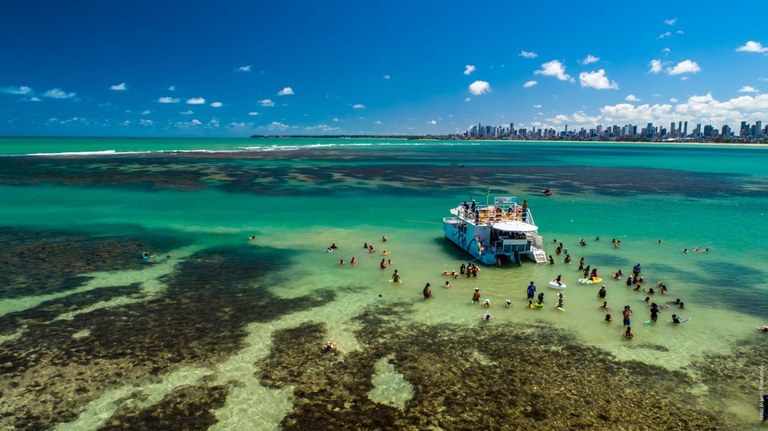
(37, 263)
(538, 378)
(187, 408)
(47, 375)
(423, 172)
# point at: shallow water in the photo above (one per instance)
(300, 197)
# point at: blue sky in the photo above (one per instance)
(194, 68)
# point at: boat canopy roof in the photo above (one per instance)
(515, 226)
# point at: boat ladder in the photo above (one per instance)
(540, 256)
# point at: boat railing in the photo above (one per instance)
(487, 215)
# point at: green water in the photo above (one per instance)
(723, 289)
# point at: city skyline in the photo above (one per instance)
(430, 68)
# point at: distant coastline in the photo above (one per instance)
(734, 142)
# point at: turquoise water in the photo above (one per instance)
(299, 196)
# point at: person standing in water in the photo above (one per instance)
(531, 290)
(476, 295)
(396, 277)
(427, 291)
(627, 314)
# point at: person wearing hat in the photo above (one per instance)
(476, 295)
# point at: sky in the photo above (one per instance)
(238, 68)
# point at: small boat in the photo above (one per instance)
(504, 231)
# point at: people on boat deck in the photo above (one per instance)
(396, 277)
(427, 291)
(476, 295)
(531, 290)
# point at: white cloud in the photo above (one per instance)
(321, 128)
(685, 66)
(655, 66)
(172, 88)
(146, 122)
(276, 125)
(119, 87)
(387, 77)
(748, 89)
(752, 46)
(554, 68)
(468, 69)
(168, 100)
(432, 122)
(597, 80)
(146, 112)
(195, 101)
(479, 87)
(377, 122)
(589, 59)
(34, 99)
(246, 68)
(253, 113)
(537, 106)
(467, 99)
(631, 98)
(17, 91)
(665, 35)
(286, 91)
(529, 84)
(190, 112)
(673, 100)
(217, 104)
(666, 51)
(672, 21)
(358, 106)
(58, 93)
(528, 54)
(196, 122)
(267, 103)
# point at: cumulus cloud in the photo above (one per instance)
(217, 104)
(528, 54)
(529, 84)
(286, 91)
(655, 66)
(34, 99)
(119, 87)
(748, 89)
(432, 122)
(267, 103)
(665, 35)
(631, 98)
(253, 113)
(17, 91)
(597, 80)
(387, 77)
(196, 122)
(479, 87)
(276, 125)
(321, 128)
(666, 51)
(195, 101)
(146, 122)
(168, 100)
(537, 106)
(685, 66)
(190, 112)
(58, 93)
(377, 122)
(554, 68)
(467, 99)
(589, 59)
(673, 100)
(358, 106)
(752, 46)
(146, 112)
(172, 88)
(672, 21)
(468, 69)
(247, 68)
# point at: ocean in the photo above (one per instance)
(222, 325)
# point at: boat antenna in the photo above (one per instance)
(487, 194)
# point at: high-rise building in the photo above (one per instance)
(685, 129)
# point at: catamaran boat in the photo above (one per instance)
(492, 234)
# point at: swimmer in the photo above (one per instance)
(341, 261)
(486, 303)
(353, 261)
(383, 264)
(558, 279)
(507, 303)
(602, 292)
(628, 333)
(370, 248)
(333, 246)
(604, 306)
(252, 237)
(551, 260)
(448, 284)
(396, 277)
(567, 258)
(427, 291)
(384, 238)
(608, 318)
(476, 295)
(764, 328)
(487, 316)
(330, 346)
(540, 298)
(676, 319)
(560, 301)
